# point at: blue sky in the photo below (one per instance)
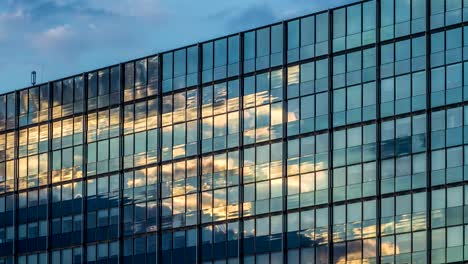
(58, 38)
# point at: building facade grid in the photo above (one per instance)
(336, 137)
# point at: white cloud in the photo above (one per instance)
(8, 21)
(8, 16)
(53, 37)
(58, 32)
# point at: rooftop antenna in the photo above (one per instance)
(33, 77)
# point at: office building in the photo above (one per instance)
(336, 137)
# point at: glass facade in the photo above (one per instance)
(337, 137)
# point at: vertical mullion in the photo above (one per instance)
(85, 168)
(121, 141)
(158, 161)
(16, 175)
(49, 176)
(330, 136)
(428, 135)
(199, 150)
(285, 143)
(240, 254)
(378, 131)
